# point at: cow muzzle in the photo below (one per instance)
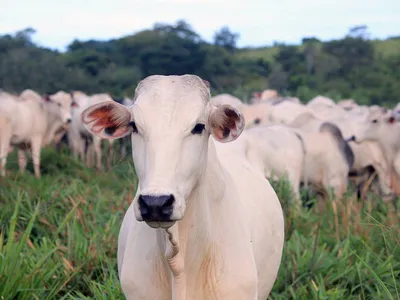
(157, 210)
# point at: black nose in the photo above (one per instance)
(69, 120)
(156, 208)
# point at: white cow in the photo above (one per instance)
(31, 122)
(386, 131)
(276, 151)
(328, 157)
(321, 100)
(285, 112)
(81, 141)
(214, 224)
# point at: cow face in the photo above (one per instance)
(60, 105)
(170, 124)
(375, 127)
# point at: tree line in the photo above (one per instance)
(350, 67)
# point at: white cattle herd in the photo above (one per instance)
(205, 222)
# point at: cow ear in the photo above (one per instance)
(226, 123)
(108, 120)
(391, 120)
(206, 83)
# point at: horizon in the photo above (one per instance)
(58, 25)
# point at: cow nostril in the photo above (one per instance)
(156, 208)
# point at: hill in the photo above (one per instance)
(382, 48)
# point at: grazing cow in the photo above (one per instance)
(386, 131)
(285, 112)
(255, 114)
(214, 224)
(347, 104)
(82, 142)
(329, 158)
(276, 151)
(321, 100)
(31, 123)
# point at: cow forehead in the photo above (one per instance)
(172, 99)
(62, 97)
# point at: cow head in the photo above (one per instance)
(170, 123)
(60, 105)
(375, 127)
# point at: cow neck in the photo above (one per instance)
(191, 238)
(52, 124)
(389, 144)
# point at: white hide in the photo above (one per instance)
(326, 165)
(77, 133)
(229, 243)
(30, 122)
(384, 130)
(276, 151)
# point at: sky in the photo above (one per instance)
(259, 22)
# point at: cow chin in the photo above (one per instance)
(163, 225)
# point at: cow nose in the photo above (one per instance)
(156, 208)
(69, 120)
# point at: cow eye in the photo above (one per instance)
(198, 129)
(59, 104)
(375, 121)
(134, 128)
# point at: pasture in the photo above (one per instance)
(58, 237)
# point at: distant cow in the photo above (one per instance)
(82, 142)
(276, 151)
(30, 122)
(329, 158)
(215, 225)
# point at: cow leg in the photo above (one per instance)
(97, 150)
(294, 180)
(384, 180)
(122, 146)
(36, 144)
(110, 154)
(89, 155)
(5, 139)
(22, 161)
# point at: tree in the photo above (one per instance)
(226, 39)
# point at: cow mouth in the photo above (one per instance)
(160, 224)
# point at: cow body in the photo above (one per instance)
(30, 122)
(276, 150)
(213, 225)
(82, 142)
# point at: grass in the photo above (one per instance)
(58, 238)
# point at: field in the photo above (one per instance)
(58, 238)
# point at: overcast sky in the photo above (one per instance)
(259, 22)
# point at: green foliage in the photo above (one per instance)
(58, 238)
(352, 67)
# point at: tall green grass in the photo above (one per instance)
(58, 238)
